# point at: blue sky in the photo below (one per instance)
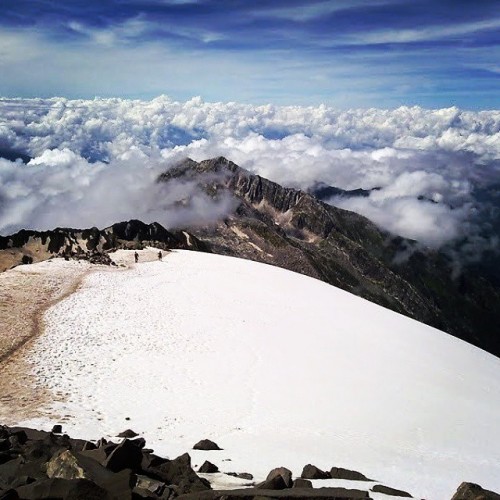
(344, 53)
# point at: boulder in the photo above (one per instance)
(57, 429)
(378, 488)
(276, 483)
(18, 467)
(62, 489)
(241, 475)
(9, 495)
(208, 468)
(178, 472)
(152, 486)
(73, 465)
(206, 445)
(352, 475)
(129, 433)
(285, 473)
(302, 483)
(126, 455)
(471, 491)
(312, 472)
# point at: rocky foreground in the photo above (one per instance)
(50, 465)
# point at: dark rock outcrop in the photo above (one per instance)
(42, 465)
(282, 472)
(286, 494)
(129, 433)
(93, 245)
(386, 490)
(312, 472)
(208, 468)
(300, 482)
(471, 491)
(340, 473)
(206, 445)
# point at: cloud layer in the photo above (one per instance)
(95, 162)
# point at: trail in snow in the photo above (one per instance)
(276, 367)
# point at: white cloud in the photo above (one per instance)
(426, 162)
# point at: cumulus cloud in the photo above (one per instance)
(96, 161)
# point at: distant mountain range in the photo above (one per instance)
(296, 230)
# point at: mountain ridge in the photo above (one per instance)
(292, 229)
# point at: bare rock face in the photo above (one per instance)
(93, 245)
(386, 490)
(340, 473)
(300, 482)
(313, 472)
(282, 472)
(208, 468)
(471, 491)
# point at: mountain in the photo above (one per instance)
(324, 192)
(26, 247)
(295, 230)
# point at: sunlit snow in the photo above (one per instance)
(277, 368)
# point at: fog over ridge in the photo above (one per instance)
(95, 162)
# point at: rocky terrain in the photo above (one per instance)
(294, 229)
(27, 247)
(39, 465)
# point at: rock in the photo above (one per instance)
(208, 468)
(241, 475)
(302, 483)
(312, 472)
(286, 494)
(5, 457)
(62, 489)
(150, 485)
(245, 475)
(46, 447)
(57, 429)
(88, 445)
(18, 467)
(276, 483)
(9, 495)
(340, 473)
(140, 443)
(285, 473)
(206, 445)
(386, 490)
(471, 491)
(129, 433)
(74, 465)
(125, 456)
(151, 460)
(179, 472)
(22, 481)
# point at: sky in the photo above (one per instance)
(344, 53)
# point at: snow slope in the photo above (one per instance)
(277, 368)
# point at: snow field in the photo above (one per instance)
(277, 368)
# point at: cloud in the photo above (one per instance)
(95, 162)
(59, 188)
